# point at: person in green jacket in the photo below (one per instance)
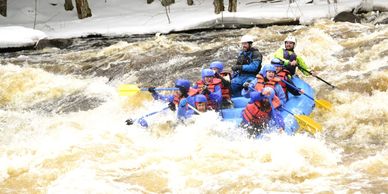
(289, 58)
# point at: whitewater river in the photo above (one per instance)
(63, 131)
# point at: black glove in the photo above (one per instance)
(237, 68)
(129, 121)
(172, 107)
(245, 85)
(205, 90)
(152, 90)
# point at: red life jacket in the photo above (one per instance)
(254, 115)
(261, 84)
(178, 98)
(226, 93)
(283, 75)
(211, 87)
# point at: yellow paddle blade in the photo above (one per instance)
(128, 89)
(323, 104)
(308, 124)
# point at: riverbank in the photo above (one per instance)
(119, 18)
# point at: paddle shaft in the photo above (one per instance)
(289, 84)
(160, 89)
(288, 111)
(316, 76)
(131, 121)
(149, 114)
(193, 108)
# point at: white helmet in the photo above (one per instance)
(247, 38)
(290, 38)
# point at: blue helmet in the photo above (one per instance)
(182, 83)
(207, 73)
(270, 68)
(217, 64)
(263, 70)
(277, 62)
(200, 98)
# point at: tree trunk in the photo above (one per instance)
(69, 5)
(150, 1)
(166, 3)
(3, 8)
(190, 2)
(232, 6)
(83, 9)
(218, 6)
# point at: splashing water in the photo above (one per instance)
(63, 129)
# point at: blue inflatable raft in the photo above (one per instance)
(299, 105)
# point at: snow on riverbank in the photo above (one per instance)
(122, 17)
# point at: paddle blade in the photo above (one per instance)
(128, 89)
(308, 124)
(142, 122)
(323, 104)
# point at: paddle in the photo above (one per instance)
(141, 120)
(194, 109)
(305, 122)
(131, 89)
(320, 103)
(316, 76)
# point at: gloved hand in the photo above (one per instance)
(129, 121)
(237, 68)
(152, 90)
(183, 102)
(245, 85)
(172, 107)
(205, 90)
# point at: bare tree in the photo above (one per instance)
(166, 4)
(218, 6)
(3, 8)
(69, 5)
(36, 12)
(83, 9)
(190, 2)
(232, 7)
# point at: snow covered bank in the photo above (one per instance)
(17, 36)
(123, 17)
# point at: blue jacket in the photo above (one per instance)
(182, 108)
(250, 61)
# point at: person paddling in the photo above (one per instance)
(211, 88)
(247, 66)
(289, 57)
(267, 80)
(200, 107)
(225, 77)
(180, 97)
(284, 75)
(260, 114)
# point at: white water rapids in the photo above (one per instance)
(63, 131)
